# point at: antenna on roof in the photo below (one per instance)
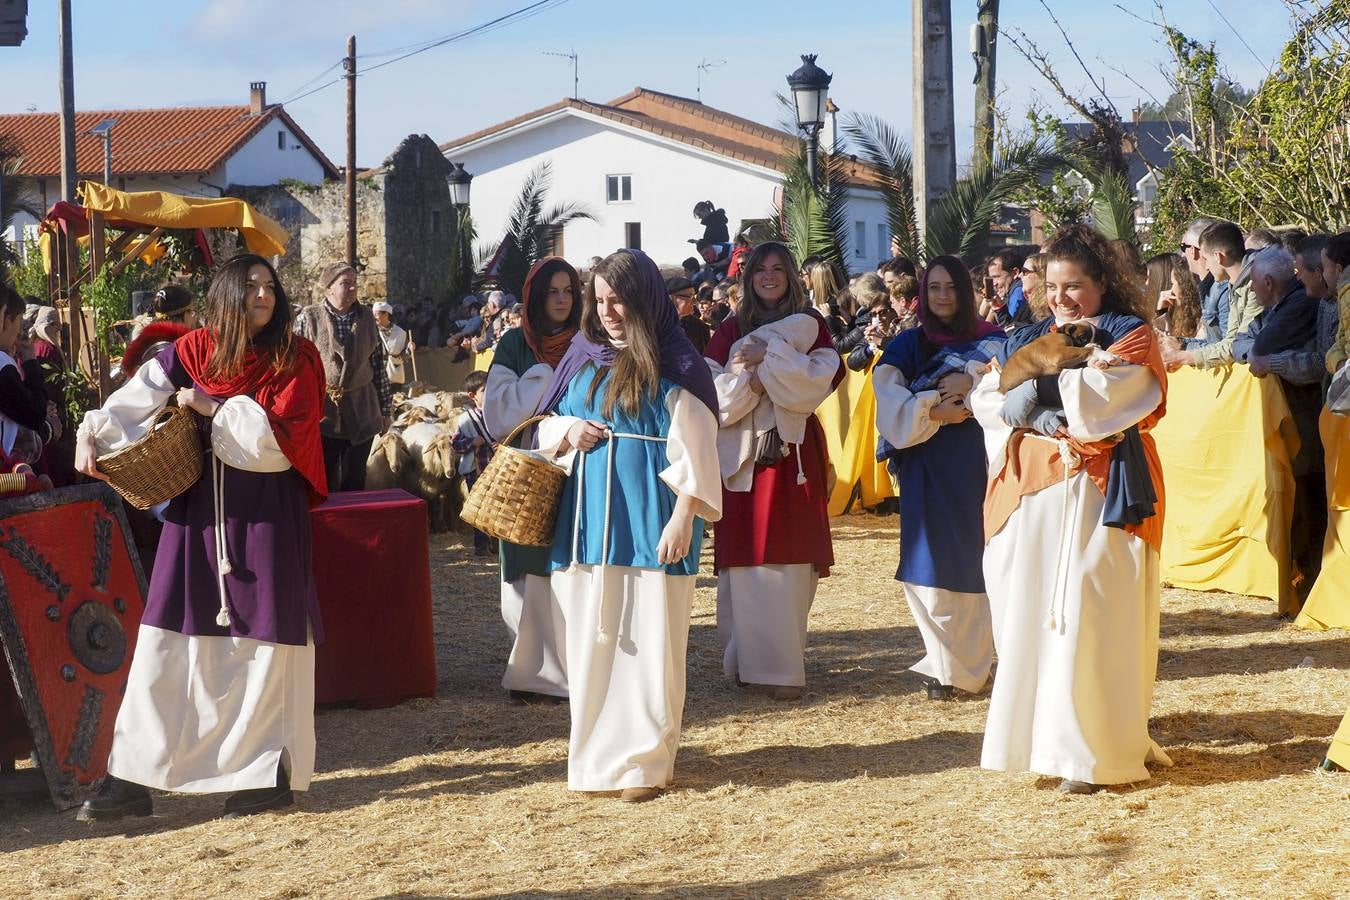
(704, 67)
(576, 82)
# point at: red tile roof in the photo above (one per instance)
(680, 119)
(189, 140)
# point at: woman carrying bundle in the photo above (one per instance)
(636, 417)
(220, 694)
(1073, 520)
(774, 365)
(921, 383)
(522, 368)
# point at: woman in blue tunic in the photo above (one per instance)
(921, 384)
(636, 425)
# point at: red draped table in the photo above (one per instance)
(373, 574)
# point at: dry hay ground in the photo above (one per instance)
(865, 788)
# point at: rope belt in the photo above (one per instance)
(1071, 460)
(223, 566)
(602, 635)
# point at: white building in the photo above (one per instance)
(196, 150)
(640, 163)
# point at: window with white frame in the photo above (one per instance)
(618, 188)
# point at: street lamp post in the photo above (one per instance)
(104, 130)
(459, 185)
(810, 86)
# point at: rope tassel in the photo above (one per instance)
(223, 566)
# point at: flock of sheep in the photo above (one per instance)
(417, 452)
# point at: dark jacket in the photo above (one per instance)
(715, 227)
(853, 336)
(1290, 324)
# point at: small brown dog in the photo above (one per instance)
(1068, 348)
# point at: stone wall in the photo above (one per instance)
(404, 227)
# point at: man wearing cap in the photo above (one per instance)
(683, 294)
(396, 344)
(359, 394)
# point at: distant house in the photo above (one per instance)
(1148, 149)
(640, 162)
(195, 150)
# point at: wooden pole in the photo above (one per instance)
(69, 175)
(934, 115)
(985, 92)
(351, 149)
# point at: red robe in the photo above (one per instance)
(778, 521)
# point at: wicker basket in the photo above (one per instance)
(516, 497)
(161, 465)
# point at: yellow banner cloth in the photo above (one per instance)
(1229, 495)
(161, 209)
(855, 462)
(1328, 605)
(1340, 744)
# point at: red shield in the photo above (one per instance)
(71, 598)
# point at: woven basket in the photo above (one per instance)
(161, 465)
(516, 497)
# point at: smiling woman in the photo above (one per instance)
(220, 696)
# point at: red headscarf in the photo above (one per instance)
(293, 400)
(549, 348)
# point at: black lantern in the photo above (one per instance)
(810, 90)
(459, 184)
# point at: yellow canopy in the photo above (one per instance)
(161, 209)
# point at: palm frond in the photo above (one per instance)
(1112, 204)
(959, 222)
(889, 154)
(814, 218)
(529, 230)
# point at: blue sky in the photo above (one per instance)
(197, 52)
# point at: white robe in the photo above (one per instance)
(957, 631)
(206, 714)
(1075, 605)
(538, 660)
(762, 611)
(627, 695)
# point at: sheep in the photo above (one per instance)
(433, 473)
(388, 461)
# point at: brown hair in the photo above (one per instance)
(750, 313)
(227, 315)
(172, 302)
(635, 376)
(906, 287)
(1167, 269)
(1035, 295)
(822, 282)
(1093, 253)
(868, 289)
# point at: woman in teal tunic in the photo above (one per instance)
(637, 428)
(522, 367)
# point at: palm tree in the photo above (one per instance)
(530, 231)
(462, 270)
(813, 218)
(881, 147)
(16, 196)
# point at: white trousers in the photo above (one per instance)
(761, 622)
(538, 661)
(203, 715)
(627, 695)
(1077, 660)
(958, 635)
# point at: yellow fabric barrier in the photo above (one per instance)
(161, 209)
(483, 361)
(855, 463)
(1328, 605)
(1229, 494)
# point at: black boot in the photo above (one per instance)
(116, 798)
(246, 803)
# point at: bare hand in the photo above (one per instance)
(1260, 365)
(956, 384)
(755, 384)
(950, 411)
(675, 539)
(584, 435)
(197, 401)
(1175, 358)
(751, 352)
(1166, 299)
(86, 458)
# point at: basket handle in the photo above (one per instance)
(166, 413)
(521, 427)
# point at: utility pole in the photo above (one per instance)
(63, 38)
(350, 63)
(934, 115)
(984, 47)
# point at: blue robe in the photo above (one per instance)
(640, 503)
(942, 481)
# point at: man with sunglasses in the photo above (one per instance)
(1213, 294)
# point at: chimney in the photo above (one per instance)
(257, 97)
(1138, 113)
